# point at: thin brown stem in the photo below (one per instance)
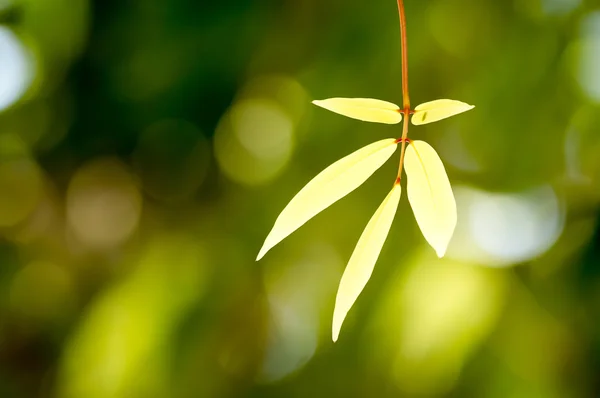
(406, 99)
(402, 148)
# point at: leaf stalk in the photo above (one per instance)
(405, 97)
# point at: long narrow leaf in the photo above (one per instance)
(359, 268)
(365, 109)
(433, 111)
(430, 195)
(332, 184)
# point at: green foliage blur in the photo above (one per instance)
(146, 148)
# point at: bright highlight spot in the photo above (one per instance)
(434, 314)
(499, 229)
(269, 141)
(254, 141)
(16, 71)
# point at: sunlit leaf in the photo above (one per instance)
(359, 268)
(366, 109)
(437, 110)
(332, 184)
(430, 195)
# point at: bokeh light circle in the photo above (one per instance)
(103, 204)
(16, 71)
(502, 229)
(254, 141)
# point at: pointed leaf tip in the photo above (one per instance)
(433, 111)
(430, 195)
(332, 184)
(261, 253)
(361, 264)
(365, 109)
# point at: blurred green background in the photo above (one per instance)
(146, 148)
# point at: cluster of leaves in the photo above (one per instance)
(429, 191)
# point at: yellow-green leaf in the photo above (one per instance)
(366, 109)
(359, 268)
(332, 184)
(430, 195)
(433, 111)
